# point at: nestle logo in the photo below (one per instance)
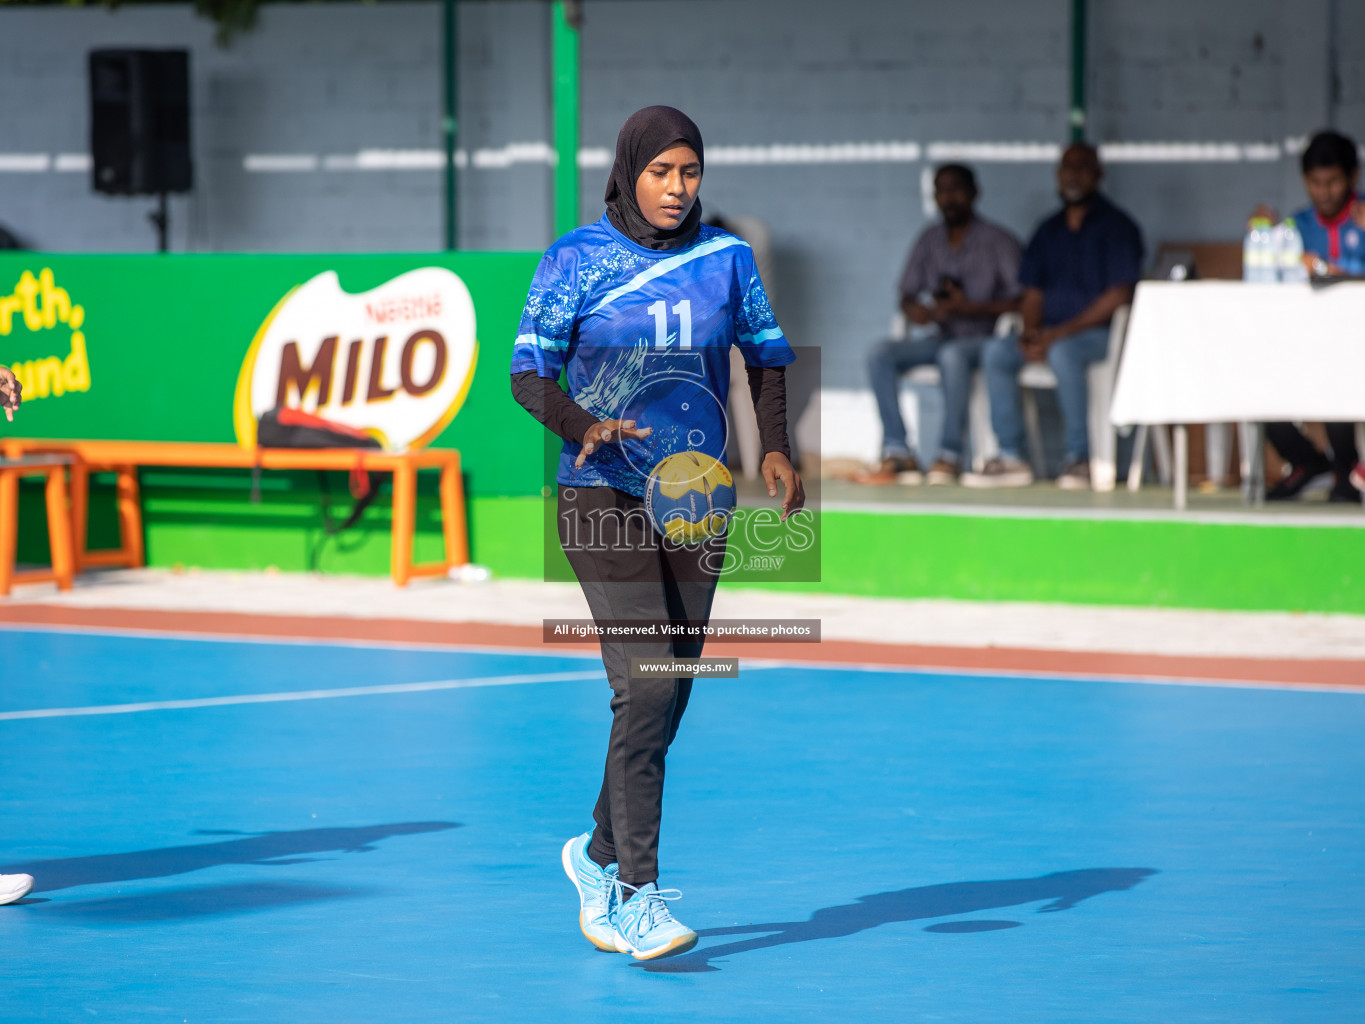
(404, 307)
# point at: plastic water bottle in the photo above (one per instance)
(470, 573)
(1289, 253)
(1250, 244)
(1258, 253)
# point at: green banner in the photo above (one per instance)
(153, 348)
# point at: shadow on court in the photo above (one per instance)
(194, 902)
(267, 848)
(1064, 890)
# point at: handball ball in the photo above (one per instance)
(690, 496)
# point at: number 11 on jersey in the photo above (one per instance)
(660, 311)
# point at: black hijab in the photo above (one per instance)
(645, 135)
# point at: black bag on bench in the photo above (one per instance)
(290, 428)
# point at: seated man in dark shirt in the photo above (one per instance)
(1080, 267)
(970, 268)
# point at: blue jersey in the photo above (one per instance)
(645, 335)
(1340, 241)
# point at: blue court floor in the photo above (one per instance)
(853, 845)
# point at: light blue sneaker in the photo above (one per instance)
(644, 927)
(597, 892)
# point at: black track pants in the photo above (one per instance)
(1292, 445)
(627, 573)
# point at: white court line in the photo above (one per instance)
(198, 636)
(293, 695)
(748, 664)
(1060, 676)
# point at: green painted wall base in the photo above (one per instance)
(207, 520)
(1164, 563)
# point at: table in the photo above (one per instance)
(53, 468)
(1230, 352)
(124, 458)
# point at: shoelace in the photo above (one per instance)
(603, 896)
(655, 902)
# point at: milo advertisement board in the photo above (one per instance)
(41, 317)
(411, 349)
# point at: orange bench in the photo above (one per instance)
(53, 467)
(124, 457)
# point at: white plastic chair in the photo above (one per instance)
(1161, 449)
(981, 437)
(1100, 378)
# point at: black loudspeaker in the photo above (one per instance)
(140, 121)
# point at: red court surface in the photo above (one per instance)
(1311, 672)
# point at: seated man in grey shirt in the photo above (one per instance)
(962, 273)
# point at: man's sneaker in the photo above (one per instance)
(597, 892)
(644, 927)
(1000, 472)
(1344, 491)
(895, 469)
(942, 472)
(14, 887)
(1301, 479)
(1075, 475)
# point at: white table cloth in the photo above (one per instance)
(1224, 351)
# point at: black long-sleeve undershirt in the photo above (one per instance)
(768, 386)
(544, 399)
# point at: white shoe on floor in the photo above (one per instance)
(644, 927)
(1075, 475)
(14, 887)
(1001, 472)
(596, 887)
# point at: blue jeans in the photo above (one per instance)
(885, 364)
(957, 360)
(1069, 359)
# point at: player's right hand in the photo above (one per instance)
(11, 392)
(607, 432)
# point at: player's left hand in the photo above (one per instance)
(608, 432)
(777, 466)
(11, 392)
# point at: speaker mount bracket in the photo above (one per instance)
(160, 221)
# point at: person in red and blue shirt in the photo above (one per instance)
(1330, 227)
(1333, 232)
